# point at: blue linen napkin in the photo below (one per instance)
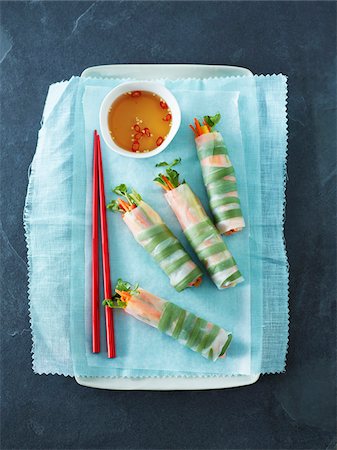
(254, 128)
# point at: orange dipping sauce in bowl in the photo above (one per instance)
(139, 121)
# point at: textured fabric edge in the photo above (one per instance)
(26, 212)
(285, 176)
(283, 218)
(27, 235)
(284, 204)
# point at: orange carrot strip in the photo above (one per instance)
(124, 295)
(124, 205)
(235, 230)
(194, 131)
(197, 124)
(163, 186)
(127, 205)
(169, 184)
(196, 282)
(121, 204)
(119, 292)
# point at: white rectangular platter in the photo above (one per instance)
(150, 72)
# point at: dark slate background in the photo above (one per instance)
(43, 42)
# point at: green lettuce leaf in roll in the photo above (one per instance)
(219, 176)
(151, 233)
(198, 228)
(199, 335)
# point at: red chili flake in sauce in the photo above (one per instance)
(163, 104)
(147, 132)
(167, 117)
(136, 127)
(159, 141)
(138, 136)
(136, 94)
(135, 146)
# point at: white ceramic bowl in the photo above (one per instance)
(156, 88)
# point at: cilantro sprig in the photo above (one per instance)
(132, 199)
(212, 120)
(125, 286)
(116, 303)
(169, 180)
(123, 291)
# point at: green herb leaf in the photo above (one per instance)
(164, 163)
(114, 303)
(121, 304)
(132, 198)
(173, 176)
(135, 197)
(158, 179)
(212, 120)
(113, 206)
(123, 285)
(121, 190)
(175, 162)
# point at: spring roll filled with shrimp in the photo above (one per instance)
(199, 229)
(150, 232)
(219, 176)
(201, 336)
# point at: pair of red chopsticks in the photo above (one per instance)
(98, 202)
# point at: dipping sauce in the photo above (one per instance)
(139, 121)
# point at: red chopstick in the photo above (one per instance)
(109, 323)
(95, 303)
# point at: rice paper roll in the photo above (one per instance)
(199, 335)
(156, 238)
(203, 236)
(220, 181)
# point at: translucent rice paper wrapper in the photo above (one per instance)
(151, 233)
(199, 335)
(220, 181)
(204, 237)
